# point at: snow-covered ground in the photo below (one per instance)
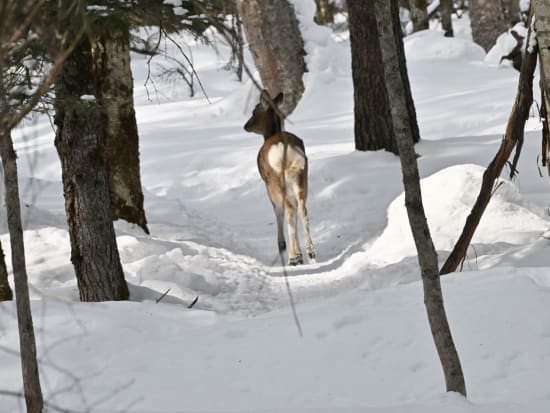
(366, 345)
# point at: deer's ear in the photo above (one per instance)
(279, 99)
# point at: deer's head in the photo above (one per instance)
(265, 120)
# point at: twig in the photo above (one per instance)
(158, 300)
(193, 302)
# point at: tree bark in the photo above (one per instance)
(374, 129)
(277, 47)
(514, 133)
(27, 344)
(393, 55)
(419, 15)
(513, 13)
(323, 16)
(82, 148)
(116, 88)
(446, 11)
(487, 21)
(5, 290)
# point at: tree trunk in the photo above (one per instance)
(446, 11)
(27, 343)
(116, 88)
(487, 21)
(387, 18)
(277, 47)
(419, 15)
(323, 16)
(513, 13)
(514, 133)
(374, 129)
(82, 148)
(5, 290)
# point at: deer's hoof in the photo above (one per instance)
(311, 253)
(282, 246)
(296, 260)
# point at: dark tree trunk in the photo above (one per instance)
(116, 88)
(81, 143)
(419, 15)
(277, 47)
(374, 129)
(446, 11)
(488, 22)
(323, 16)
(387, 16)
(5, 290)
(513, 13)
(27, 343)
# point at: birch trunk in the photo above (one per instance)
(393, 57)
(277, 47)
(116, 89)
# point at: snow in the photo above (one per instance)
(366, 346)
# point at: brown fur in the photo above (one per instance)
(289, 187)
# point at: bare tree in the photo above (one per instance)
(419, 15)
(513, 136)
(488, 22)
(393, 57)
(446, 12)
(277, 47)
(374, 128)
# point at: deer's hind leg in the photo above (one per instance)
(279, 214)
(294, 253)
(311, 253)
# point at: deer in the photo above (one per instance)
(283, 166)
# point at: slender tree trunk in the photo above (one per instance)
(82, 147)
(446, 10)
(323, 16)
(116, 88)
(27, 343)
(387, 16)
(488, 22)
(374, 129)
(5, 290)
(277, 47)
(419, 15)
(514, 133)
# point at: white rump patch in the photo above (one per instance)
(295, 158)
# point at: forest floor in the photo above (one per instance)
(366, 345)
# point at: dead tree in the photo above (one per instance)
(514, 135)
